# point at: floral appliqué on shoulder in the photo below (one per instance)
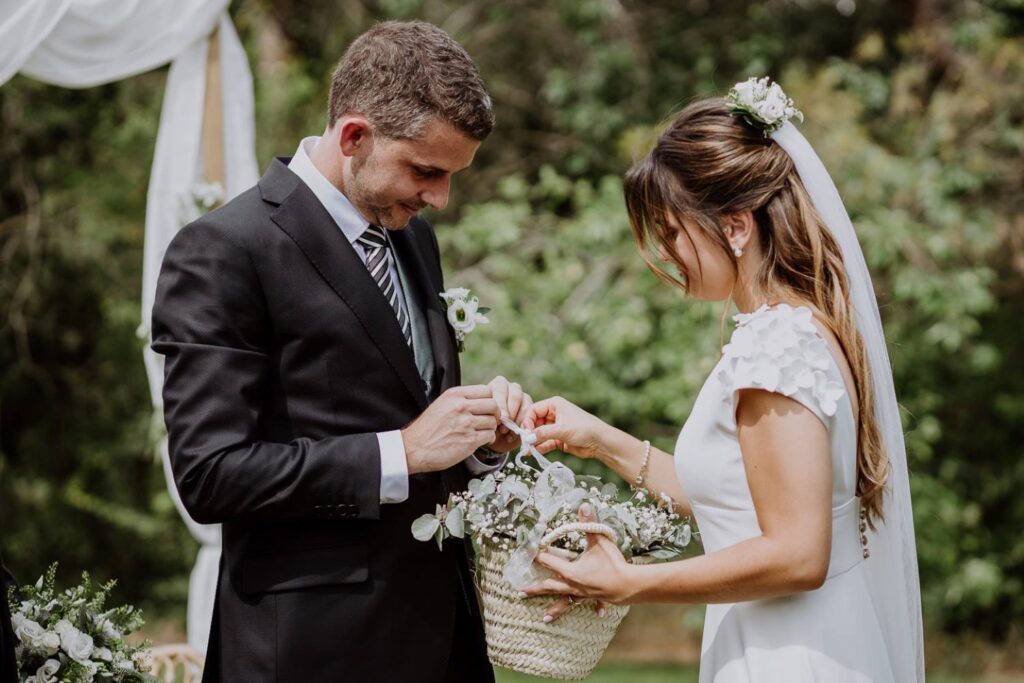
(780, 350)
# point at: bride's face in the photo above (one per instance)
(706, 269)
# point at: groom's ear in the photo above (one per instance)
(740, 227)
(354, 135)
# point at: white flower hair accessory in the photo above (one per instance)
(464, 312)
(763, 104)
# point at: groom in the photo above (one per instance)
(312, 392)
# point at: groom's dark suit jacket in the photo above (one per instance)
(8, 669)
(282, 361)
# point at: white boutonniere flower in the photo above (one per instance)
(763, 104)
(464, 312)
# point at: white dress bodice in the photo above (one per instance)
(832, 633)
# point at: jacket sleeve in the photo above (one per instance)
(210, 323)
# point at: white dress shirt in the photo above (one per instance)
(394, 470)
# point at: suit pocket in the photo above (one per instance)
(305, 568)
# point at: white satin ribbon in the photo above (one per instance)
(527, 438)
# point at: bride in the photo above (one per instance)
(792, 461)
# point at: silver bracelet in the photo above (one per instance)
(642, 474)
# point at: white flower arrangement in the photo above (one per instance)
(201, 197)
(763, 104)
(68, 637)
(464, 312)
(512, 509)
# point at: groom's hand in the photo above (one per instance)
(515, 405)
(460, 421)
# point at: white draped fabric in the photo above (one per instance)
(83, 43)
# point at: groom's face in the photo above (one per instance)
(390, 181)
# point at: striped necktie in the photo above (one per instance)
(378, 261)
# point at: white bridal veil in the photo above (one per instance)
(892, 566)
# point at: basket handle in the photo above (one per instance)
(581, 527)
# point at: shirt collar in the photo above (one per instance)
(346, 215)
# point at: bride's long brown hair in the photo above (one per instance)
(708, 164)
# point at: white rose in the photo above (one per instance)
(34, 636)
(47, 673)
(745, 90)
(104, 653)
(51, 642)
(76, 644)
(771, 110)
(107, 628)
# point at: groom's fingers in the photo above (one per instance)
(484, 423)
(474, 391)
(514, 401)
(483, 406)
(499, 391)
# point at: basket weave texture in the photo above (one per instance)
(518, 639)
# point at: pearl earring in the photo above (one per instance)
(737, 251)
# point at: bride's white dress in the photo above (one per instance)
(829, 634)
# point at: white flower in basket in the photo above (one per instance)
(510, 516)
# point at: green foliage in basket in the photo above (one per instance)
(513, 508)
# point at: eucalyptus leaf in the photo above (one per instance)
(455, 523)
(424, 527)
(478, 488)
(516, 488)
(662, 553)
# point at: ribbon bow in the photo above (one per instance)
(527, 438)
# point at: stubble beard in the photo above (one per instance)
(378, 214)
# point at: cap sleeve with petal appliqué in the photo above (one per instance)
(780, 350)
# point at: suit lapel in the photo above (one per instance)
(442, 339)
(303, 218)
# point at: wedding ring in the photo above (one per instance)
(572, 599)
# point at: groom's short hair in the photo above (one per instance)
(399, 75)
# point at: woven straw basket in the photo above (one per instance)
(518, 639)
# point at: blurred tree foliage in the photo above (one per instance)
(916, 108)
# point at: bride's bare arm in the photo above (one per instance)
(787, 460)
(562, 425)
(623, 454)
(786, 457)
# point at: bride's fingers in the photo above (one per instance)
(601, 607)
(548, 587)
(558, 565)
(549, 432)
(548, 446)
(557, 609)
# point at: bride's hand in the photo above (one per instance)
(600, 573)
(561, 425)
